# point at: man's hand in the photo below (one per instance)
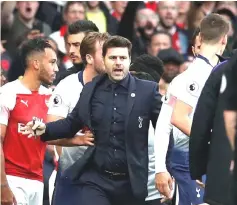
(164, 184)
(7, 197)
(200, 183)
(86, 139)
(34, 128)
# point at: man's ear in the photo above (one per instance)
(89, 59)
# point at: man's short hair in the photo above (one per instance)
(117, 42)
(81, 26)
(212, 28)
(89, 42)
(148, 64)
(33, 46)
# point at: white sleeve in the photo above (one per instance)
(162, 132)
(7, 103)
(59, 101)
(189, 92)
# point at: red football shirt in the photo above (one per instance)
(23, 156)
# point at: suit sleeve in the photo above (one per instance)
(156, 105)
(65, 128)
(202, 126)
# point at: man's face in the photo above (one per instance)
(48, 67)
(197, 45)
(171, 69)
(159, 42)
(98, 61)
(183, 6)
(117, 62)
(75, 12)
(148, 20)
(119, 6)
(73, 46)
(168, 13)
(92, 4)
(27, 9)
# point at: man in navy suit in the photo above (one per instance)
(117, 108)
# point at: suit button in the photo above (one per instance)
(115, 94)
(115, 108)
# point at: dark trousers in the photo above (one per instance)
(97, 188)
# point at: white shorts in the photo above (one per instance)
(26, 191)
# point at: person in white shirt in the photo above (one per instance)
(182, 97)
(65, 97)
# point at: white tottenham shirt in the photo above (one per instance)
(63, 100)
(186, 87)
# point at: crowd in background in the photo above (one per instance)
(163, 29)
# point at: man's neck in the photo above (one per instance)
(31, 81)
(88, 74)
(210, 52)
(94, 10)
(28, 24)
(170, 30)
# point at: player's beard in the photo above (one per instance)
(44, 77)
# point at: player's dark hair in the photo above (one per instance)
(148, 64)
(32, 46)
(117, 42)
(81, 26)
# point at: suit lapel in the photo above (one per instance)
(131, 98)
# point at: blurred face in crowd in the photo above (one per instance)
(231, 5)
(183, 6)
(171, 69)
(119, 6)
(196, 46)
(146, 21)
(74, 13)
(73, 46)
(92, 4)
(48, 66)
(96, 59)
(117, 62)
(27, 9)
(159, 42)
(168, 13)
(228, 19)
(3, 79)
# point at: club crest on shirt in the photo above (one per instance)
(193, 88)
(57, 100)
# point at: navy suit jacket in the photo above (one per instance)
(144, 101)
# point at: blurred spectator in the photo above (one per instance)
(195, 15)
(230, 5)
(118, 9)
(172, 61)
(159, 40)
(98, 13)
(24, 21)
(146, 22)
(5, 58)
(230, 17)
(183, 8)
(168, 13)
(3, 77)
(164, 83)
(50, 12)
(72, 12)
